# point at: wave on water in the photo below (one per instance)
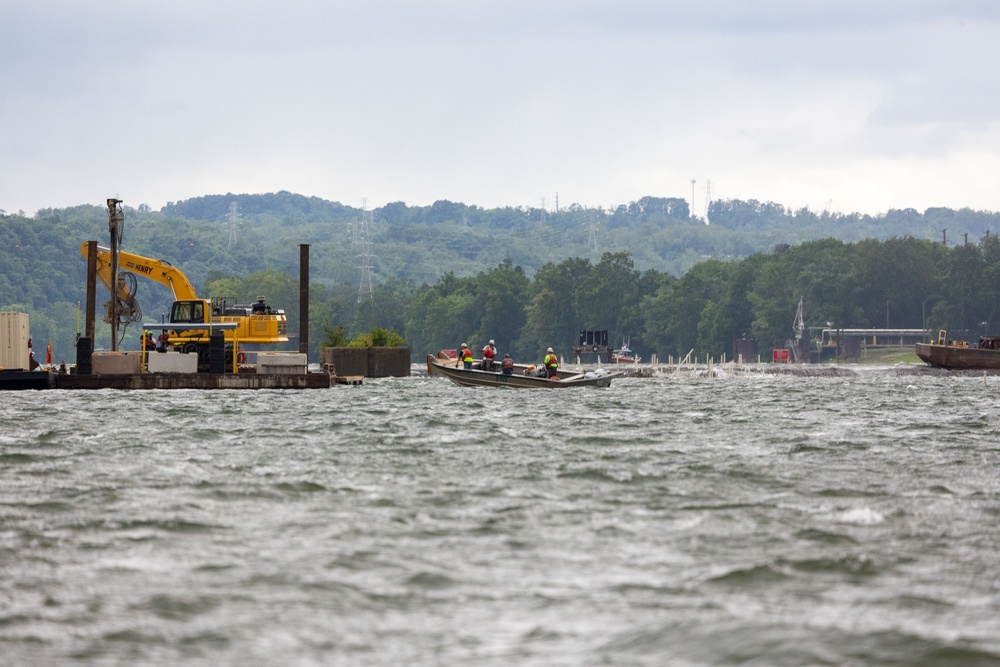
(756, 643)
(746, 519)
(859, 516)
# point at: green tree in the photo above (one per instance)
(900, 273)
(963, 272)
(611, 291)
(334, 336)
(551, 315)
(691, 321)
(501, 295)
(442, 316)
(387, 306)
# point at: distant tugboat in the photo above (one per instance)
(623, 355)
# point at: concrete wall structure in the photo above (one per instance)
(119, 363)
(371, 362)
(171, 362)
(286, 363)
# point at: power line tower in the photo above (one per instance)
(356, 222)
(234, 223)
(708, 197)
(592, 230)
(365, 229)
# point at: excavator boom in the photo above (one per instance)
(155, 269)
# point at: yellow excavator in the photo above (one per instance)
(257, 323)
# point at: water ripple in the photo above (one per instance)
(760, 520)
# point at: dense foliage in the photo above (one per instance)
(450, 273)
(898, 283)
(376, 337)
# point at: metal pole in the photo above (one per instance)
(116, 219)
(91, 288)
(304, 299)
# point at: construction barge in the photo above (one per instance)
(199, 347)
(152, 369)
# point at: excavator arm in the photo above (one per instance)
(154, 269)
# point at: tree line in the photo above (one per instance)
(450, 273)
(896, 283)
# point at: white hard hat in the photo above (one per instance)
(464, 345)
(549, 350)
(491, 342)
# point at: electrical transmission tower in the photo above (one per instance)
(693, 214)
(708, 197)
(592, 230)
(364, 231)
(234, 223)
(357, 238)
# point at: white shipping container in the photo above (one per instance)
(14, 335)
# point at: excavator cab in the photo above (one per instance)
(188, 312)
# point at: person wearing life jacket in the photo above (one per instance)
(507, 365)
(489, 354)
(465, 356)
(551, 362)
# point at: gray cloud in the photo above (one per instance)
(501, 103)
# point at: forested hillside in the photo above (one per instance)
(451, 272)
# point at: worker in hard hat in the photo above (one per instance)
(489, 355)
(551, 363)
(465, 356)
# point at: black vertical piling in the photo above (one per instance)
(304, 299)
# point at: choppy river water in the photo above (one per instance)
(752, 520)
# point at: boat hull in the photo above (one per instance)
(473, 377)
(954, 357)
(618, 359)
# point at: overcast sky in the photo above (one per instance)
(856, 105)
